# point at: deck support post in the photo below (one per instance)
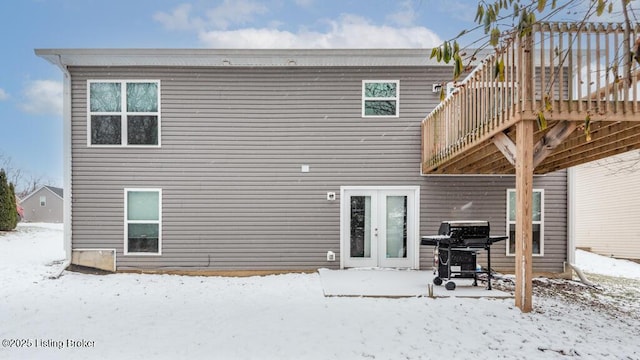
(524, 214)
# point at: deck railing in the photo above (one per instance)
(558, 72)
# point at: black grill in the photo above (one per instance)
(456, 247)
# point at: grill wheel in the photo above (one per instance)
(450, 285)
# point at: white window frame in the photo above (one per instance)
(396, 98)
(538, 222)
(123, 113)
(127, 221)
(43, 200)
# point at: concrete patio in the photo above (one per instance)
(398, 283)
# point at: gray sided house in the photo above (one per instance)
(268, 160)
(44, 205)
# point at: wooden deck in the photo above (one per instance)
(579, 81)
(569, 94)
(608, 138)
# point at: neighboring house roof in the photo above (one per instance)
(57, 191)
(239, 57)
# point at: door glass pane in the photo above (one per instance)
(143, 205)
(396, 227)
(360, 226)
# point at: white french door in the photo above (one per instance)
(379, 226)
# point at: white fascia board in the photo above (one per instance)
(240, 57)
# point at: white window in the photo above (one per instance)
(380, 98)
(43, 200)
(538, 222)
(142, 221)
(123, 113)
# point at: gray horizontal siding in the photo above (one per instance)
(484, 198)
(233, 143)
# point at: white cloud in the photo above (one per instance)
(405, 16)
(230, 12)
(349, 31)
(3, 95)
(43, 97)
(234, 12)
(179, 19)
(250, 38)
(221, 27)
(459, 10)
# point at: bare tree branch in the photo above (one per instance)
(25, 183)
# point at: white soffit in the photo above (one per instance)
(239, 57)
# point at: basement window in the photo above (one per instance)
(143, 222)
(538, 222)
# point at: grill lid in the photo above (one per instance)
(464, 229)
(469, 233)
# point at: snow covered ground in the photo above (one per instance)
(593, 263)
(130, 316)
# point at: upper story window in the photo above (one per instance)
(123, 113)
(43, 200)
(380, 98)
(538, 222)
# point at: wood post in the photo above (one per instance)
(524, 214)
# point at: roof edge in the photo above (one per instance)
(47, 187)
(239, 57)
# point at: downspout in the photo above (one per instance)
(571, 229)
(66, 153)
(571, 216)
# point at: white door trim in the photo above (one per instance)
(413, 241)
